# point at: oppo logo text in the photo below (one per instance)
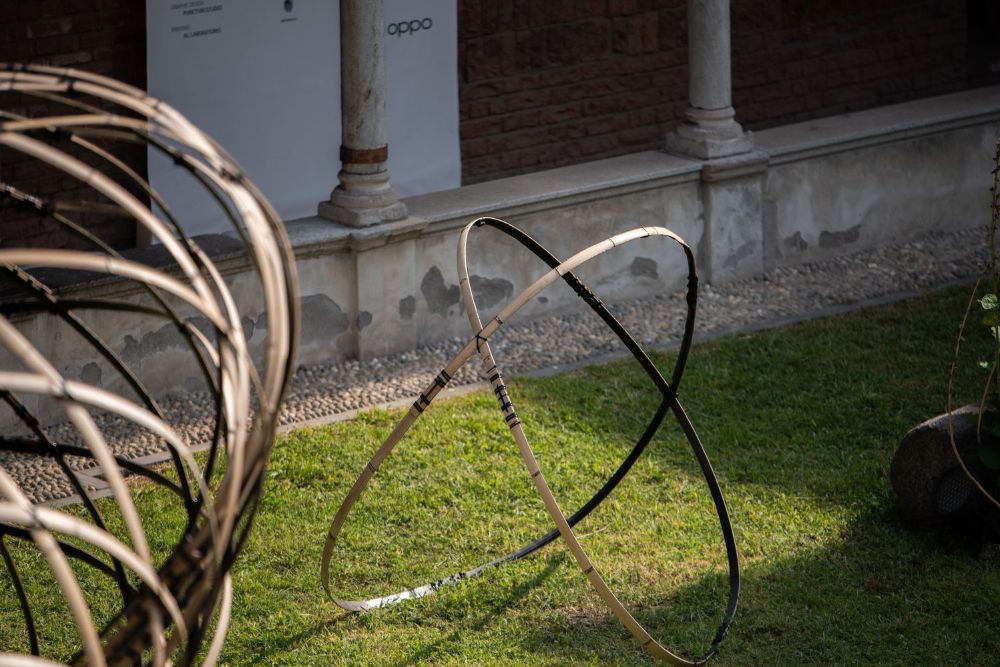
(409, 27)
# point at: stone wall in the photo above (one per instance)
(545, 84)
(809, 191)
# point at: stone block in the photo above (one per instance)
(385, 284)
(732, 189)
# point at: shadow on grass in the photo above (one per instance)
(775, 407)
(801, 424)
(267, 654)
(517, 593)
(275, 647)
(882, 596)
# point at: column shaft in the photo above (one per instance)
(709, 75)
(362, 75)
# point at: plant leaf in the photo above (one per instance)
(989, 454)
(989, 302)
(992, 318)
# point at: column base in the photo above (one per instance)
(707, 147)
(363, 199)
(361, 217)
(709, 134)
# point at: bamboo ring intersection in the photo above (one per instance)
(479, 344)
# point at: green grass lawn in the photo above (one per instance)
(801, 424)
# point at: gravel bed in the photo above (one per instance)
(802, 291)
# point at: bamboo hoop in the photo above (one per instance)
(983, 401)
(991, 274)
(479, 344)
(179, 611)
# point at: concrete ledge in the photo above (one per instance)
(518, 195)
(555, 188)
(872, 127)
(315, 236)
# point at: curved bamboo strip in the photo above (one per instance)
(479, 344)
(182, 602)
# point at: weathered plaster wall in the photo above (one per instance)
(501, 268)
(818, 207)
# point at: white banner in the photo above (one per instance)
(262, 77)
(421, 53)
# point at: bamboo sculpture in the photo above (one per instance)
(479, 344)
(175, 610)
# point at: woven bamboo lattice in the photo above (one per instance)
(170, 600)
(479, 345)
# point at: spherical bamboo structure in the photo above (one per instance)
(173, 601)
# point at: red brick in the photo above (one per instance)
(621, 103)
(9, 12)
(527, 99)
(480, 128)
(472, 148)
(74, 6)
(481, 108)
(519, 121)
(623, 62)
(470, 17)
(69, 43)
(71, 59)
(622, 7)
(640, 136)
(628, 35)
(89, 40)
(487, 89)
(650, 32)
(641, 117)
(559, 114)
(18, 51)
(605, 124)
(598, 144)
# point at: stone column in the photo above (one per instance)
(710, 129)
(364, 196)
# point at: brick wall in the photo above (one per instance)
(544, 84)
(103, 36)
(794, 61)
